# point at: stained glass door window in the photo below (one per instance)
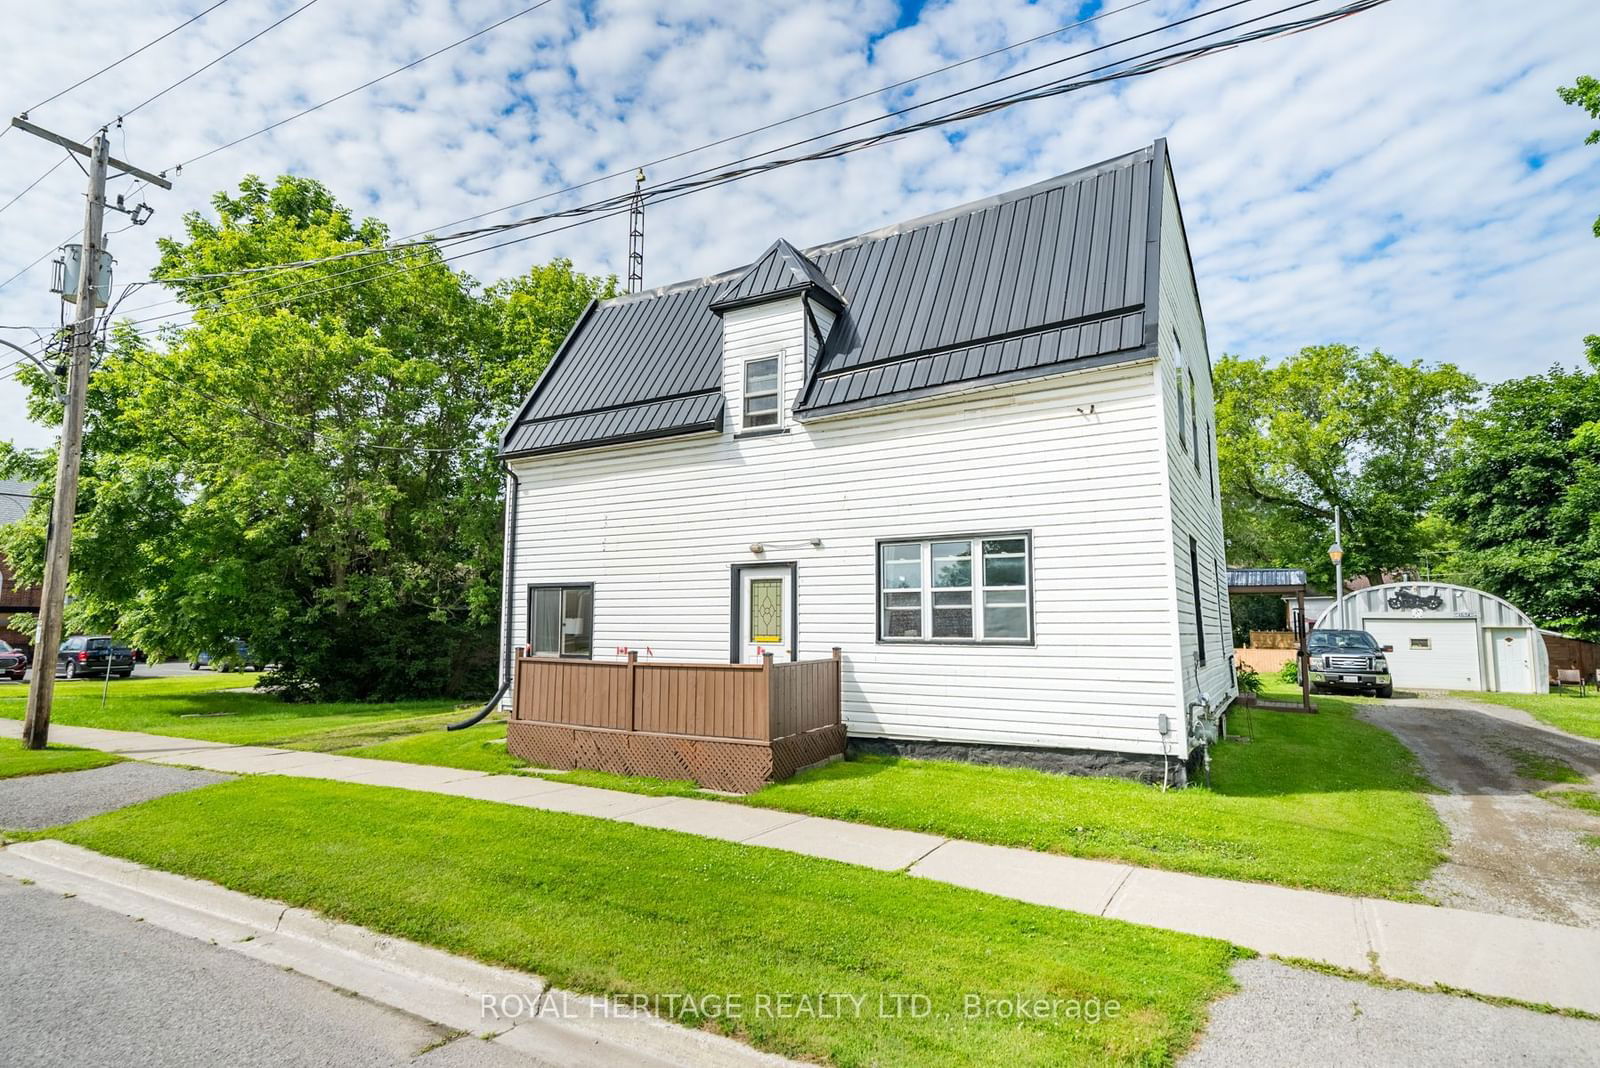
(766, 610)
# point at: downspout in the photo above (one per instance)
(508, 572)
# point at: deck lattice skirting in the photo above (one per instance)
(724, 726)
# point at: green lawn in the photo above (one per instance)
(609, 908)
(15, 760)
(479, 748)
(197, 706)
(1544, 768)
(1563, 711)
(1326, 802)
(1583, 800)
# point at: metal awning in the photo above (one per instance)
(1266, 580)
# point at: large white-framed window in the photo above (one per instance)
(973, 588)
(561, 620)
(762, 406)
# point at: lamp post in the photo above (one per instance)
(1336, 554)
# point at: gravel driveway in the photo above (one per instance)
(1510, 851)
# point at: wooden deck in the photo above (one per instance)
(725, 726)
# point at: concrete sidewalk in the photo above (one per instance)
(1497, 956)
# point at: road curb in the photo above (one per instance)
(526, 1014)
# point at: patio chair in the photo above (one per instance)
(1572, 677)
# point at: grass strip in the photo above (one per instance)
(613, 909)
(16, 760)
(1568, 712)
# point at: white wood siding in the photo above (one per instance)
(1195, 507)
(656, 527)
(777, 328)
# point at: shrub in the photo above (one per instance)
(1249, 679)
(1290, 672)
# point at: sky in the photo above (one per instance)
(1405, 179)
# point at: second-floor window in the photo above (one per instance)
(762, 388)
(1194, 421)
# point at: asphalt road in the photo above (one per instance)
(1289, 1018)
(82, 987)
(29, 802)
(172, 667)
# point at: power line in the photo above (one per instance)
(363, 85)
(1154, 59)
(1160, 60)
(55, 167)
(124, 59)
(407, 243)
(41, 259)
(1056, 32)
(247, 41)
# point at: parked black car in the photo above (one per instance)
(13, 662)
(93, 657)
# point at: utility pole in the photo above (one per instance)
(58, 551)
(1336, 554)
(636, 235)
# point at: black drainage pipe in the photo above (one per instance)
(509, 571)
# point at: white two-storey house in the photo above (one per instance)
(975, 451)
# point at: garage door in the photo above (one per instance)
(1433, 654)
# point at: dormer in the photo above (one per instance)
(776, 314)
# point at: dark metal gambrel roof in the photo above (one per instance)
(1058, 275)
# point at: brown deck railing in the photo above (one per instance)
(761, 719)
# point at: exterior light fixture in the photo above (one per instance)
(757, 548)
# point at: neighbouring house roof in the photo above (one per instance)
(1055, 276)
(14, 500)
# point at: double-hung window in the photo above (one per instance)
(966, 589)
(763, 380)
(1194, 422)
(561, 620)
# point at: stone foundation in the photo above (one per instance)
(1140, 767)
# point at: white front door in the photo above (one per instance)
(1513, 673)
(766, 613)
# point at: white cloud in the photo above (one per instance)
(1369, 182)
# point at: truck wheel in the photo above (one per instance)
(1386, 691)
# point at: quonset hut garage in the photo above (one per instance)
(1447, 637)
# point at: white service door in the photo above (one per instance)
(1513, 664)
(1430, 653)
(765, 613)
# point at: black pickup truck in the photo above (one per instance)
(1349, 660)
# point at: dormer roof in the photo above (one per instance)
(782, 271)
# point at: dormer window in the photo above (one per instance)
(763, 378)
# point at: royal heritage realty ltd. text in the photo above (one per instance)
(790, 1005)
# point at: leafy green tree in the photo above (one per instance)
(1585, 93)
(1328, 426)
(311, 465)
(1524, 492)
